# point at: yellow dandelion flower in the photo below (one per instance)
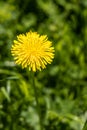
(33, 51)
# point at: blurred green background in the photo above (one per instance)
(62, 87)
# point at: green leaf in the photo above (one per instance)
(85, 126)
(5, 94)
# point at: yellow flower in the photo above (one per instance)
(32, 50)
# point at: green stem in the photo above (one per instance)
(37, 103)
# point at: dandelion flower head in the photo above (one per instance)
(32, 50)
